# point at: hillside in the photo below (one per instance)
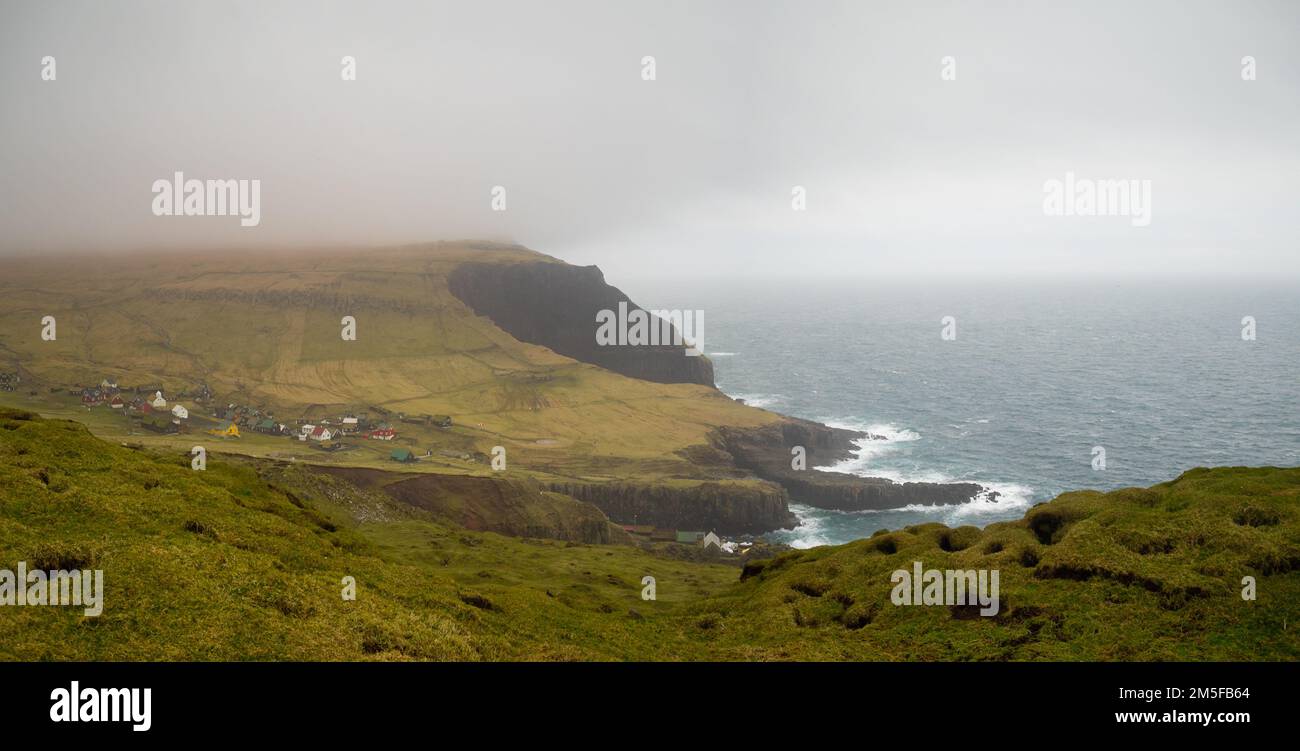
(244, 561)
(476, 332)
(265, 329)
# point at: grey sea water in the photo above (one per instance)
(1157, 374)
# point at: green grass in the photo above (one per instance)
(223, 565)
(244, 561)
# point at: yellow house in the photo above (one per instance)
(226, 429)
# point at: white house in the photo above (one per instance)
(322, 433)
(711, 539)
(181, 412)
(349, 420)
(158, 401)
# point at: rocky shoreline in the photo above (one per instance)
(766, 452)
(761, 458)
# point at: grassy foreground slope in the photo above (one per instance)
(244, 561)
(223, 565)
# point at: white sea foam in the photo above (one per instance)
(831, 527)
(881, 439)
(811, 530)
(1010, 498)
(761, 401)
(721, 354)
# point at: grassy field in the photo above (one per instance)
(245, 561)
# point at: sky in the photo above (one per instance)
(923, 134)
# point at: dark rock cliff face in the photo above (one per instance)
(766, 452)
(710, 506)
(555, 305)
(520, 508)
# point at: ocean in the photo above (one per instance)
(1038, 375)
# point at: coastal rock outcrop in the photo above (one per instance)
(555, 305)
(766, 451)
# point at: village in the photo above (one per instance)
(148, 409)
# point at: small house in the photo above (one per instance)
(116, 403)
(158, 402)
(383, 434)
(180, 412)
(322, 433)
(711, 539)
(402, 455)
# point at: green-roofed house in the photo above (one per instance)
(402, 455)
(690, 538)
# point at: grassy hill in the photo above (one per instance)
(263, 329)
(244, 561)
